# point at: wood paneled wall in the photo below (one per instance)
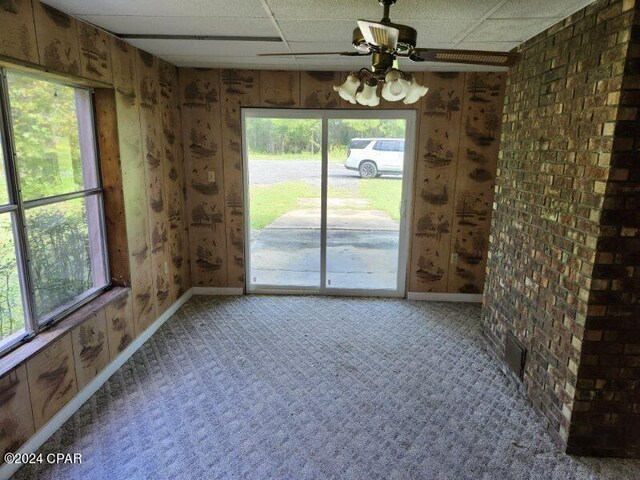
(456, 154)
(140, 143)
(67, 358)
(148, 122)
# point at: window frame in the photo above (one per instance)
(17, 208)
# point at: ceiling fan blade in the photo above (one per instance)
(344, 54)
(379, 34)
(472, 57)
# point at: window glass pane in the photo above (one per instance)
(384, 146)
(359, 144)
(52, 127)
(11, 308)
(66, 251)
(4, 193)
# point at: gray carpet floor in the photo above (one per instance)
(265, 387)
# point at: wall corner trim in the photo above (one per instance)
(217, 291)
(445, 297)
(42, 435)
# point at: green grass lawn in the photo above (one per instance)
(383, 194)
(269, 202)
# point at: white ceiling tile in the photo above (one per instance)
(540, 8)
(429, 32)
(317, 30)
(208, 47)
(509, 30)
(316, 26)
(258, 27)
(432, 32)
(370, 9)
(173, 8)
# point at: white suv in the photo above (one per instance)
(373, 157)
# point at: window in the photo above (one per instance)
(52, 235)
(389, 146)
(359, 144)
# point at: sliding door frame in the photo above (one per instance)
(406, 212)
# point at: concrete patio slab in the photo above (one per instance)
(362, 250)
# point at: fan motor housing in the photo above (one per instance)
(407, 38)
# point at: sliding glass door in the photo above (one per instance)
(326, 194)
(284, 176)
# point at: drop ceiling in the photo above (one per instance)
(308, 26)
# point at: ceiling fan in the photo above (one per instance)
(385, 42)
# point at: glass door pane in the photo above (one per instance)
(364, 197)
(284, 169)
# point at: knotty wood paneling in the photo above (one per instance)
(120, 327)
(479, 146)
(200, 109)
(124, 59)
(90, 347)
(18, 32)
(95, 53)
(438, 152)
(57, 33)
(140, 145)
(238, 88)
(154, 166)
(435, 181)
(111, 171)
(174, 181)
(52, 379)
(16, 418)
(279, 89)
(316, 89)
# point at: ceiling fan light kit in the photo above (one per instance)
(395, 86)
(415, 92)
(348, 89)
(368, 96)
(385, 42)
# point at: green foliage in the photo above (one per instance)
(337, 154)
(60, 255)
(283, 135)
(46, 136)
(45, 127)
(286, 137)
(11, 313)
(60, 261)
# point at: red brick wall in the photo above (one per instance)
(560, 190)
(606, 411)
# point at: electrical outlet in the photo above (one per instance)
(454, 258)
(212, 176)
(166, 268)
